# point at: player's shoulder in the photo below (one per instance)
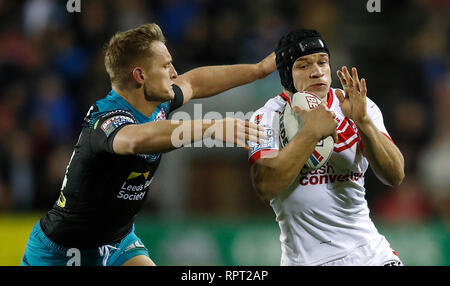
(272, 108)
(333, 100)
(370, 102)
(275, 104)
(107, 110)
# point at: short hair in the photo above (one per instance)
(125, 48)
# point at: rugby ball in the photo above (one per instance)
(291, 123)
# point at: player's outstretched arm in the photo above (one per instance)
(271, 176)
(211, 80)
(166, 135)
(384, 157)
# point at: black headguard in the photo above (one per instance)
(296, 44)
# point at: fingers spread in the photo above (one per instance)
(341, 78)
(340, 96)
(251, 125)
(355, 77)
(363, 87)
(251, 129)
(255, 138)
(241, 143)
(347, 76)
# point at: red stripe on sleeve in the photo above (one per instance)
(387, 136)
(255, 157)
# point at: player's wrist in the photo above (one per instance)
(310, 132)
(265, 66)
(364, 122)
(259, 71)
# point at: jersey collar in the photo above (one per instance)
(142, 118)
(330, 98)
(285, 97)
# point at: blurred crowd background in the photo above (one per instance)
(51, 71)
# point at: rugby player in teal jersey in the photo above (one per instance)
(120, 146)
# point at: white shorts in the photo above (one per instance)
(378, 252)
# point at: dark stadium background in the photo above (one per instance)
(201, 209)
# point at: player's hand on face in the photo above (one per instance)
(353, 103)
(320, 120)
(239, 132)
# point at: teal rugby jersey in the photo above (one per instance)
(102, 192)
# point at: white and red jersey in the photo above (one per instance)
(323, 215)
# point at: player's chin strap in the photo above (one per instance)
(104, 251)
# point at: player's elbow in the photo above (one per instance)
(397, 179)
(263, 192)
(398, 173)
(394, 178)
(140, 142)
(267, 189)
(126, 142)
(150, 144)
(135, 145)
(267, 182)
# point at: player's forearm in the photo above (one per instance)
(272, 176)
(159, 137)
(384, 157)
(211, 80)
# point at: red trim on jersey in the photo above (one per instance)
(346, 130)
(344, 124)
(255, 157)
(285, 97)
(347, 145)
(330, 98)
(387, 136)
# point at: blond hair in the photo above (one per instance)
(126, 48)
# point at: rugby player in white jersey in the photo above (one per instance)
(323, 215)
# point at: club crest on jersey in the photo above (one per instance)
(112, 123)
(258, 118)
(161, 115)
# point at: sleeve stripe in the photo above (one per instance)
(387, 136)
(257, 155)
(178, 99)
